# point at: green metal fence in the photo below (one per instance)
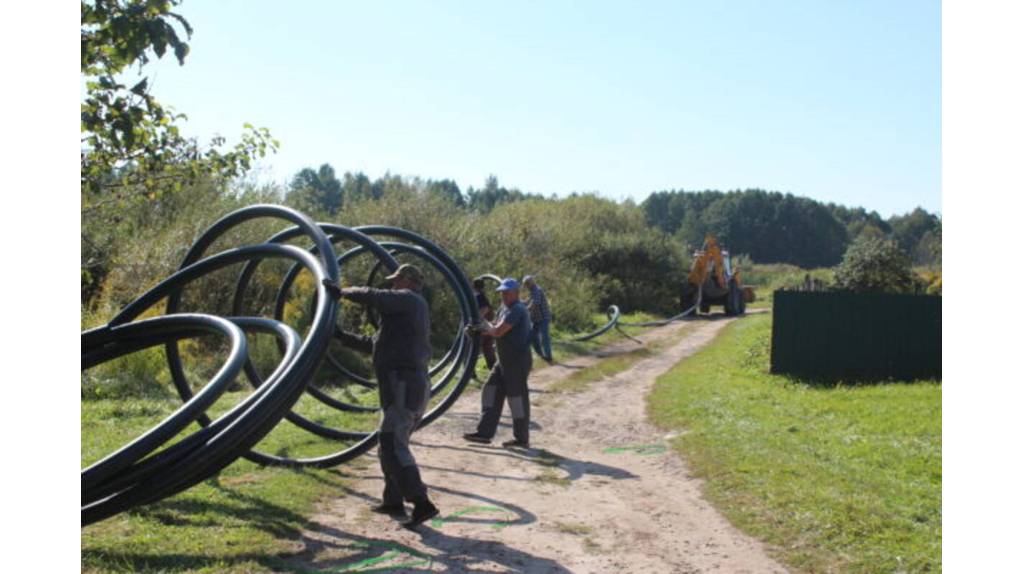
(857, 335)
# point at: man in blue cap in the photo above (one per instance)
(508, 377)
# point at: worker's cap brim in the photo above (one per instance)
(508, 285)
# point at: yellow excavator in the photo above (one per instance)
(713, 280)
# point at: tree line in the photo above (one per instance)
(773, 227)
(770, 227)
(321, 190)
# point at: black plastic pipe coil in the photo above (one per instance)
(146, 470)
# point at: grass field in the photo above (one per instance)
(841, 479)
(240, 521)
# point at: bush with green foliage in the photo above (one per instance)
(876, 266)
(587, 252)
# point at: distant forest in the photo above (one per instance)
(769, 226)
(773, 227)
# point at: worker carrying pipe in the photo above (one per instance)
(401, 356)
(508, 378)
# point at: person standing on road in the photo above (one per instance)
(540, 316)
(508, 378)
(486, 313)
(401, 357)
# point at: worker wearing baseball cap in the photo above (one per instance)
(508, 378)
(401, 356)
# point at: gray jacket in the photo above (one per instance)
(403, 340)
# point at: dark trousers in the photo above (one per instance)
(487, 348)
(409, 393)
(540, 338)
(501, 386)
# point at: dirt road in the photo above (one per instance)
(598, 492)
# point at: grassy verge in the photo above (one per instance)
(845, 479)
(243, 520)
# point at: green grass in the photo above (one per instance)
(847, 478)
(767, 278)
(244, 520)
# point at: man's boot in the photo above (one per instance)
(422, 512)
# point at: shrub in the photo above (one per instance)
(874, 265)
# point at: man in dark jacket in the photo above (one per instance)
(508, 378)
(401, 357)
(487, 314)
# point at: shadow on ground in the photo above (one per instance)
(574, 468)
(330, 549)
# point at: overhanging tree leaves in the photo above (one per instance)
(131, 147)
(133, 152)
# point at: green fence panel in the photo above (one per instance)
(856, 335)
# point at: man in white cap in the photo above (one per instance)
(401, 356)
(509, 375)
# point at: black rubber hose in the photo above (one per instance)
(123, 340)
(304, 225)
(451, 353)
(113, 485)
(470, 350)
(366, 440)
(613, 320)
(671, 319)
(467, 349)
(142, 472)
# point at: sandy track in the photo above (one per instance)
(583, 499)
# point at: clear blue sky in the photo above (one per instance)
(835, 100)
